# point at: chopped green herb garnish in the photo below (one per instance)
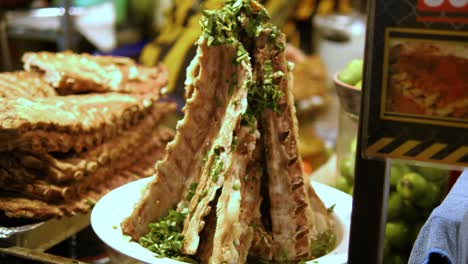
(236, 187)
(165, 238)
(331, 208)
(90, 202)
(268, 95)
(191, 191)
(241, 54)
(323, 243)
(235, 102)
(216, 168)
(224, 25)
(248, 18)
(249, 119)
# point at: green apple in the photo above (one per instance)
(410, 213)
(396, 173)
(430, 198)
(397, 234)
(412, 185)
(342, 184)
(358, 85)
(352, 73)
(353, 146)
(397, 259)
(433, 174)
(347, 168)
(394, 206)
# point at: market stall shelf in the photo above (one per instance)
(43, 235)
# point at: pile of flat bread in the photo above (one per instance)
(73, 127)
(234, 165)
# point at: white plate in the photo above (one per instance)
(111, 209)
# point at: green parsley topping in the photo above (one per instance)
(246, 18)
(191, 191)
(165, 238)
(267, 96)
(323, 243)
(236, 187)
(224, 25)
(216, 168)
(248, 119)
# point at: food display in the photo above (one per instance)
(231, 186)
(65, 142)
(414, 190)
(428, 78)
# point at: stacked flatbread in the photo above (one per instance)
(234, 167)
(73, 127)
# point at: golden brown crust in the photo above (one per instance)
(34, 184)
(194, 138)
(70, 167)
(24, 84)
(61, 124)
(294, 220)
(16, 205)
(71, 73)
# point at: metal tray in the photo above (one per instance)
(43, 235)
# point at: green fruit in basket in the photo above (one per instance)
(351, 190)
(397, 259)
(430, 198)
(433, 174)
(347, 168)
(409, 213)
(397, 234)
(396, 173)
(358, 85)
(352, 73)
(353, 146)
(394, 206)
(342, 184)
(387, 250)
(412, 185)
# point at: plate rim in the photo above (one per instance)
(341, 213)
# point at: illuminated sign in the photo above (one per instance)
(454, 11)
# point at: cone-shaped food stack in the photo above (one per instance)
(74, 126)
(232, 183)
